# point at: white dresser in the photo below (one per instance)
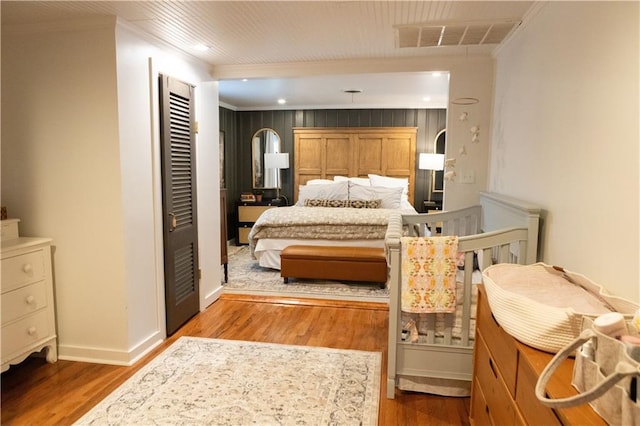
(28, 313)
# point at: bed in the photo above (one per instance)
(499, 230)
(333, 165)
(342, 221)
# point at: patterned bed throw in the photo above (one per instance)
(429, 274)
(324, 223)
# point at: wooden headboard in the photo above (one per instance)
(325, 152)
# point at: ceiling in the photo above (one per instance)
(303, 51)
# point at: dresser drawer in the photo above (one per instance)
(531, 408)
(23, 301)
(251, 213)
(24, 333)
(503, 346)
(479, 407)
(23, 269)
(499, 405)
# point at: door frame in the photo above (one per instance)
(207, 105)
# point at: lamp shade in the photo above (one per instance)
(276, 160)
(430, 161)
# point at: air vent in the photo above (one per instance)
(461, 34)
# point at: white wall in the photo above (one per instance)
(139, 64)
(208, 152)
(565, 135)
(469, 78)
(61, 171)
(80, 164)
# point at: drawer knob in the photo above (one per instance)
(29, 300)
(31, 330)
(27, 268)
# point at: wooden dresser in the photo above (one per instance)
(505, 373)
(28, 313)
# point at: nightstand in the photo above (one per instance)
(248, 213)
(431, 206)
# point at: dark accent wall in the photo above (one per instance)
(240, 126)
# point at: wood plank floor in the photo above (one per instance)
(35, 392)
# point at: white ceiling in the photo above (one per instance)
(297, 50)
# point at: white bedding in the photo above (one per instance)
(267, 250)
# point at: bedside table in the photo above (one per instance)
(431, 206)
(248, 213)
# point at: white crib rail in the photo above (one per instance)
(457, 222)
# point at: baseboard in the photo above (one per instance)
(302, 301)
(109, 356)
(211, 297)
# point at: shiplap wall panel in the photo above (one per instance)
(239, 127)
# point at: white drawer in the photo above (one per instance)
(23, 269)
(22, 334)
(23, 301)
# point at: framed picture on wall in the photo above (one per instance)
(222, 170)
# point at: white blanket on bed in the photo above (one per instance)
(321, 223)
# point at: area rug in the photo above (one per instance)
(247, 277)
(200, 381)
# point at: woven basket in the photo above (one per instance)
(544, 322)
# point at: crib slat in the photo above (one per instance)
(503, 255)
(448, 328)
(487, 258)
(430, 323)
(522, 253)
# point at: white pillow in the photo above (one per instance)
(330, 191)
(391, 197)
(319, 182)
(390, 182)
(358, 180)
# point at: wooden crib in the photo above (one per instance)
(500, 230)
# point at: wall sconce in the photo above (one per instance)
(278, 161)
(431, 162)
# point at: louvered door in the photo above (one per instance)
(179, 202)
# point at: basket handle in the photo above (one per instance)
(622, 370)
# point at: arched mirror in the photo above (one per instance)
(439, 146)
(264, 141)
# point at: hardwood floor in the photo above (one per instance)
(35, 392)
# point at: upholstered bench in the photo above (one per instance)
(334, 263)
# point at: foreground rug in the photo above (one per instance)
(200, 381)
(247, 277)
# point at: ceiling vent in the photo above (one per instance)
(454, 34)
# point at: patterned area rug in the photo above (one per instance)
(247, 277)
(226, 382)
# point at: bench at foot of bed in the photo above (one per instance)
(334, 263)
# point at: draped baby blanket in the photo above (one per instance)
(429, 274)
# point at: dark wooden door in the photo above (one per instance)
(180, 228)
